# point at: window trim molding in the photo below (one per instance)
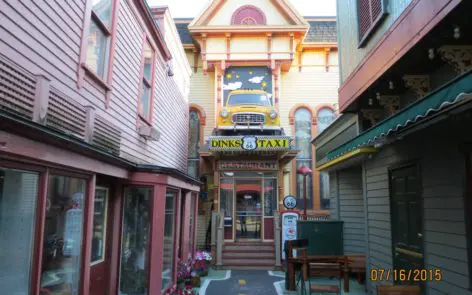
(202, 115)
(374, 25)
(141, 118)
(315, 201)
(83, 70)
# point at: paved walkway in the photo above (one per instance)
(245, 282)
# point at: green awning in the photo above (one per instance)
(451, 93)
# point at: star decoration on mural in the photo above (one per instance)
(228, 76)
(237, 76)
(250, 72)
(264, 84)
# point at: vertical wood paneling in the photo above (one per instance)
(351, 205)
(202, 93)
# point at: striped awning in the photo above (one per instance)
(453, 92)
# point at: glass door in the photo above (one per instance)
(249, 208)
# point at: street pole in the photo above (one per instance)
(304, 197)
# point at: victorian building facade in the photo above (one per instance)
(399, 157)
(94, 192)
(264, 83)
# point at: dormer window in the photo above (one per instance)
(248, 15)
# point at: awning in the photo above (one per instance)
(449, 94)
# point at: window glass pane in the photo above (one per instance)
(226, 196)
(63, 235)
(97, 50)
(145, 107)
(168, 253)
(270, 196)
(18, 194)
(303, 133)
(148, 54)
(102, 9)
(193, 135)
(193, 168)
(325, 118)
(134, 241)
(324, 190)
(99, 224)
(309, 187)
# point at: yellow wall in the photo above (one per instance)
(223, 17)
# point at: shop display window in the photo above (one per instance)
(18, 195)
(135, 241)
(63, 235)
(168, 252)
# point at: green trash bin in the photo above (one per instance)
(325, 237)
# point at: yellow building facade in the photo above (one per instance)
(265, 82)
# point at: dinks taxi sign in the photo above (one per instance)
(249, 143)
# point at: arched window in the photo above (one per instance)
(194, 144)
(302, 126)
(325, 117)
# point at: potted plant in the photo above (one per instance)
(202, 263)
(184, 273)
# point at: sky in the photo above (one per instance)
(190, 8)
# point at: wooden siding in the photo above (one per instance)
(348, 37)
(202, 93)
(347, 204)
(44, 38)
(306, 88)
(442, 177)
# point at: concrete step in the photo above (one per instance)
(245, 254)
(246, 267)
(259, 247)
(249, 262)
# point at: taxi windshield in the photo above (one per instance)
(249, 98)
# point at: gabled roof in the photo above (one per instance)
(322, 30)
(282, 5)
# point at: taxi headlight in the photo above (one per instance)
(273, 114)
(224, 113)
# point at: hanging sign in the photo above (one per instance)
(290, 202)
(248, 165)
(249, 143)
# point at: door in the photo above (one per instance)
(249, 209)
(100, 258)
(407, 220)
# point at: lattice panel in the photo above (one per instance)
(106, 136)
(17, 90)
(66, 115)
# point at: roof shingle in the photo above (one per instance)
(321, 31)
(184, 34)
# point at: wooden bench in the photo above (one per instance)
(398, 290)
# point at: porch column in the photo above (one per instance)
(186, 231)
(280, 186)
(156, 239)
(87, 235)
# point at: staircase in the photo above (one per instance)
(249, 256)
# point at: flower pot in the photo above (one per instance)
(196, 281)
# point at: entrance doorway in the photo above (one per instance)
(407, 219)
(248, 209)
(248, 200)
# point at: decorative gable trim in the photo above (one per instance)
(286, 9)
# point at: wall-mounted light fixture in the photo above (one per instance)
(169, 69)
(378, 95)
(457, 32)
(390, 85)
(431, 53)
(371, 102)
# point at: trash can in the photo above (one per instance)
(325, 237)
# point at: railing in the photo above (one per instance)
(220, 238)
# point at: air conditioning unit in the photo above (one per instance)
(149, 132)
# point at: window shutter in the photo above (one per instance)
(369, 12)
